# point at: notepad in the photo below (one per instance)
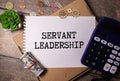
(56, 42)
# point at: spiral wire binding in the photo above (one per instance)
(24, 32)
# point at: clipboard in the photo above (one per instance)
(61, 74)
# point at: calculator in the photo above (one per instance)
(103, 50)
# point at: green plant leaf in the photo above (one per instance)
(6, 26)
(10, 19)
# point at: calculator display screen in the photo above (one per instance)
(110, 27)
(101, 33)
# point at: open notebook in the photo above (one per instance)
(56, 42)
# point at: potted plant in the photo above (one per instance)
(10, 20)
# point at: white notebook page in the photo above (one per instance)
(56, 42)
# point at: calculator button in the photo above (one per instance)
(112, 56)
(116, 63)
(103, 41)
(110, 44)
(103, 61)
(94, 44)
(87, 61)
(96, 58)
(93, 63)
(97, 39)
(114, 52)
(118, 59)
(113, 69)
(105, 55)
(110, 60)
(92, 50)
(99, 53)
(89, 55)
(116, 47)
(108, 50)
(118, 54)
(107, 67)
(101, 47)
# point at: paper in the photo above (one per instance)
(56, 42)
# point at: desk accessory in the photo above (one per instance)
(103, 50)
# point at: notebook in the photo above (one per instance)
(56, 42)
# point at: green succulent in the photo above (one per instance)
(10, 19)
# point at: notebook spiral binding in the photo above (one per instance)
(23, 19)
